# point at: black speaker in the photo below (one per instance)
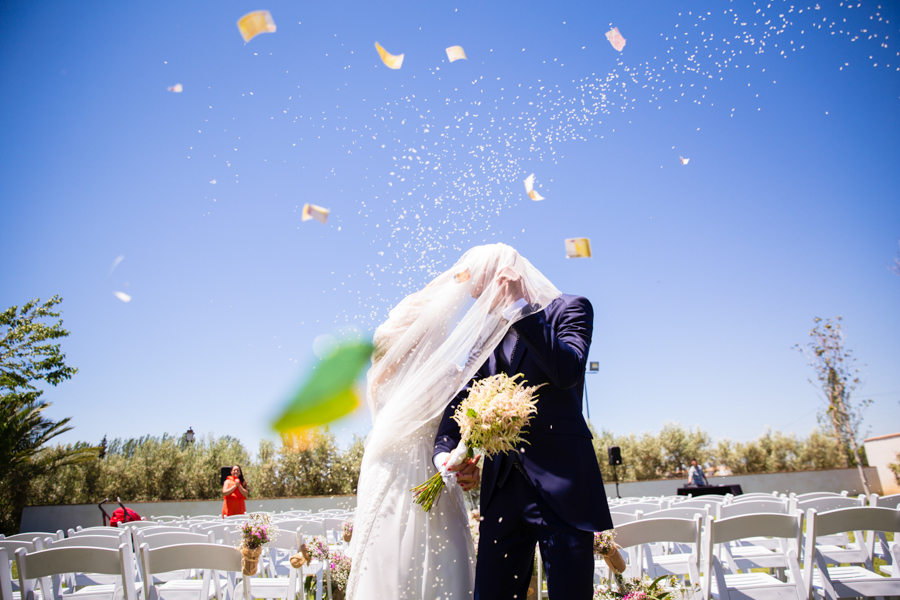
(225, 472)
(615, 455)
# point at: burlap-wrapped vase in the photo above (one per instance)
(249, 560)
(347, 537)
(301, 558)
(614, 560)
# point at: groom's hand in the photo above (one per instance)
(466, 473)
(510, 287)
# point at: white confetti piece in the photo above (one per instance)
(684, 160)
(177, 88)
(122, 296)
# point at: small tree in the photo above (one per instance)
(836, 372)
(28, 357)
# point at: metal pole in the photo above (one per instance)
(587, 405)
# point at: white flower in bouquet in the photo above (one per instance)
(490, 418)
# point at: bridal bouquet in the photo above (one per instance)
(491, 418)
(661, 588)
(255, 533)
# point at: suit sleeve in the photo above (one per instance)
(448, 434)
(560, 350)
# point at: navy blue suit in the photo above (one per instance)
(551, 491)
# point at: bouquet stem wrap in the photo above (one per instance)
(428, 493)
(249, 560)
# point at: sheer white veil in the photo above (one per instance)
(432, 344)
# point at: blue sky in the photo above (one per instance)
(703, 278)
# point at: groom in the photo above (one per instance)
(549, 492)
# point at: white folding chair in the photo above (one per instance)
(172, 538)
(81, 579)
(49, 565)
(273, 586)
(880, 547)
(169, 518)
(334, 527)
(892, 501)
(219, 530)
(113, 532)
(637, 537)
(811, 495)
(752, 586)
(679, 512)
(10, 547)
(753, 496)
(633, 507)
(752, 507)
(853, 581)
(323, 574)
(212, 558)
(837, 546)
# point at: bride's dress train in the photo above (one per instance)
(413, 554)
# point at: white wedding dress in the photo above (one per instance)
(426, 352)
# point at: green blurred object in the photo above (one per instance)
(329, 393)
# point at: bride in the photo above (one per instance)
(425, 353)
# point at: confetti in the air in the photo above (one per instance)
(615, 38)
(122, 296)
(116, 262)
(311, 211)
(462, 277)
(456, 53)
(391, 61)
(254, 23)
(177, 88)
(329, 393)
(529, 188)
(684, 160)
(578, 248)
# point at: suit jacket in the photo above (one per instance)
(559, 459)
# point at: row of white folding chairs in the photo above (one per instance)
(638, 537)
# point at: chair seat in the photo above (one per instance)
(851, 582)
(768, 586)
(763, 542)
(93, 592)
(837, 554)
(183, 589)
(757, 557)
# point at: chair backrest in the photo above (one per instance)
(649, 531)
(209, 557)
(827, 503)
(892, 501)
(754, 525)
(167, 518)
(679, 512)
(113, 532)
(30, 536)
(12, 545)
(776, 507)
(335, 526)
(59, 561)
(811, 495)
(711, 501)
(137, 524)
(91, 541)
(173, 538)
(218, 529)
(622, 518)
(753, 496)
(633, 507)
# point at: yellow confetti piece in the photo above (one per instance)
(254, 23)
(330, 393)
(391, 61)
(529, 188)
(462, 277)
(615, 38)
(684, 160)
(578, 248)
(456, 53)
(122, 296)
(175, 88)
(311, 211)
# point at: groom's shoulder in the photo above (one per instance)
(568, 300)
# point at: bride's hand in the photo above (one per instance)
(466, 473)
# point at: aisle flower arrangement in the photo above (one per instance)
(490, 418)
(347, 529)
(318, 548)
(640, 589)
(255, 533)
(339, 567)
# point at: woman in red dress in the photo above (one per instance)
(235, 492)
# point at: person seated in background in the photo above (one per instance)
(235, 491)
(696, 478)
